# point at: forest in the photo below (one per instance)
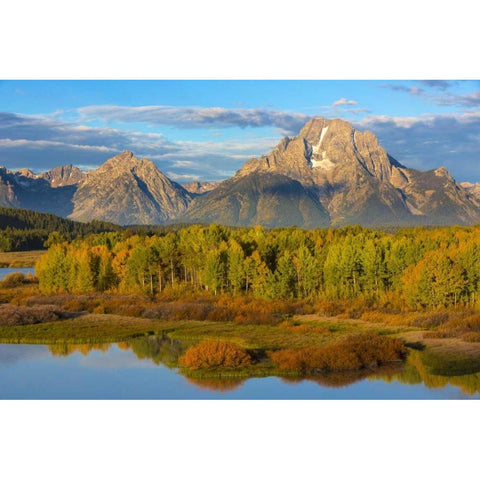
(22, 230)
(412, 268)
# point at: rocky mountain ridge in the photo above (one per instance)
(127, 190)
(200, 187)
(350, 175)
(330, 174)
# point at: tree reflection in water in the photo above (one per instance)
(417, 371)
(166, 351)
(66, 349)
(216, 384)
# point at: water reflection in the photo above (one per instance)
(216, 384)
(416, 372)
(11, 354)
(66, 349)
(343, 379)
(165, 351)
(160, 350)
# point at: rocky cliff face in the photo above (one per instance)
(353, 180)
(127, 190)
(199, 188)
(473, 189)
(63, 176)
(264, 198)
(24, 189)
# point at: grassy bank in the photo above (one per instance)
(20, 259)
(279, 338)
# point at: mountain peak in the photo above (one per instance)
(128, 190)
(127, 157)
(62, 176)
(316, 127)
(26, 172)
(323, 148)
(443, 172)
(127, 162)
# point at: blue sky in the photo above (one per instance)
(208, 129)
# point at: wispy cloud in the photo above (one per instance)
(196, 117)
(344, 101)
(40, 143)
(413, 90)
(343, 107)
(183, 177)
(466, 100)
(430, 141)
(439, 84)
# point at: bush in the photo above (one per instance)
(13, 280)
(430, 320)
(458, 325)
(353, 353)
(329, 308)
(471, 337)
(18, 315)
(241, 310)
(304, 328)
(178, 310)
(208, 354)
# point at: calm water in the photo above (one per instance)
(137, 371)
(6, 271)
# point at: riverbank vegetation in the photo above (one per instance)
(246, 301)
(286, 339)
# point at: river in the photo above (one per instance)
(136, 371)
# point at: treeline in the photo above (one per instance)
(413, 267)
(22, 230)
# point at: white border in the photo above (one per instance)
(243, 40)
(250, 39)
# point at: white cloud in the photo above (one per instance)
(184, 177)
(344, 101)
(429, 141)
(9, 143)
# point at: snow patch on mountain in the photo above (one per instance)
(316, 148)
(324, 163)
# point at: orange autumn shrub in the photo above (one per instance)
(303, 328)
(458, 325)
(353, 353)
(329, 308)
(471, 337)
(210, 353)
(374, 350)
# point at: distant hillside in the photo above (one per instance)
(28, 230)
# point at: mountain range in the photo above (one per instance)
(330, 174)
